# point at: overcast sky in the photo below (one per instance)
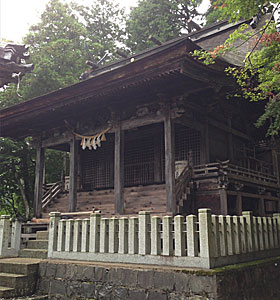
(16, 16)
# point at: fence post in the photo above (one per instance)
(276, 218)
(4, 234)
(180, 237)
(123, 235)
(113, 237)
(260, 232)
(69, 235)
(237, 234)
(15, 242)
(223, 235)
(216, 236)
(133, 225)
(53, 227)
(104, 236)
(230, 235)
(61, 236)
(205, 233)
(77, 235)
(94, 232)
(249, 232)
(144, 236)
(85, 235)
(266, 233)
(167, 244)
(192, 237)
(155, 236)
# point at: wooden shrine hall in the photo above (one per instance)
(156, 132)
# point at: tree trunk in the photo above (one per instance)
(22, 192)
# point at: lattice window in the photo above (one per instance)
(144, 157)
(98, 166)
(187, 144)
(139, 156)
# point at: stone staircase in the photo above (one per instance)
(151, 198)
(18, 277)
(36, 248)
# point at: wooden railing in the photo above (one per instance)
(225, 168)
(205, 242)
(182, 184)
(51, 193)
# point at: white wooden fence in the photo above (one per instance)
(9, 237)
(206, 242)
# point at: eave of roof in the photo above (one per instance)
(110, 77)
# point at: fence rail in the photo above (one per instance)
(205, 241)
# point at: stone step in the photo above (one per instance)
(18, 277)
(34, 253)
(37, 244)
(16, 281)
(42, 235)
(17, 267)
(6, 292)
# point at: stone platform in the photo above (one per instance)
(259, 280)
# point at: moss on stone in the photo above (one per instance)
(230, 268)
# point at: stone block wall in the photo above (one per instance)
(68, 280)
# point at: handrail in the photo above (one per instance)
(182, 182)
(51, 193)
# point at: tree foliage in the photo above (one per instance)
(104, 23)
(259, 77)
(58, 54)
(164, 19)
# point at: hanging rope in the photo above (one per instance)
(92, 141)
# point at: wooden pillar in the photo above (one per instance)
(119, 170)
(239, 203)
(169, 141)
(229, 141)
(223, 201)
(261, 204)
(238, 186)
(39, 174)
(157, 158)
(205, 154)
(73, 174)
(275, 164)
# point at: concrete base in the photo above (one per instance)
(258, 280)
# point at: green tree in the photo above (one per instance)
(164, 19)
(259, 77)
(16, 177)
(104, 23)
(58, 54)
(56, 49)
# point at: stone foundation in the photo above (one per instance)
(72, 280)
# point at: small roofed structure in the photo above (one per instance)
(13, 63)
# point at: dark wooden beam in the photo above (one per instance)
(57, 140)
(158, 158)
(239, 203)
(205, 153)
(230, 142)
(169, 142)
(223, 201)
(275, 164)
(119, 170)
(39, 174)
(261, 207)
(73, 174)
